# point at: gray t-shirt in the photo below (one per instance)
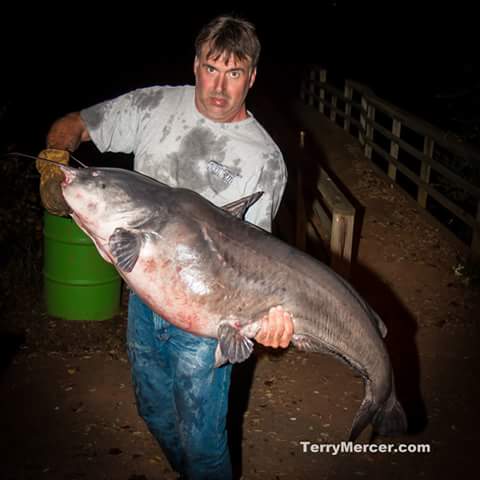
(175, 144)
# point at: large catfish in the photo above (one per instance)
(209, 272)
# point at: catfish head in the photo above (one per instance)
(103, 199)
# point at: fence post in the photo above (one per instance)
(475, 246)
(311, 88)
(341, 243)
(321, 101)
(363, 121)
(369, 131)
(333, 111)
(428, 145)
(396, 129)
(300, 233)
(348, 106)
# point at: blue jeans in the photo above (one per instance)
(180, 395)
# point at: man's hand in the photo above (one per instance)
(50, 179)
(276, 329)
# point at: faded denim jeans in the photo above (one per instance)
(180, 395)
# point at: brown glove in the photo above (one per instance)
(50, 179)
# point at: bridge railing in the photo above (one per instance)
(330, 219)
(440, 172)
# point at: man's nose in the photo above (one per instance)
(220, 83)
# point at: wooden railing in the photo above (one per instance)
(330, 219)
(411, 152)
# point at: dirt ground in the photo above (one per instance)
(67, 409)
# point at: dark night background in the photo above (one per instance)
(423, 59)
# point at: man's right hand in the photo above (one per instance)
(50, 179)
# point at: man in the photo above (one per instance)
(201, 138)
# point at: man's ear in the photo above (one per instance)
(253, 76)
(195, 65)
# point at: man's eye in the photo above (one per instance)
(235, 74)
(210, 69)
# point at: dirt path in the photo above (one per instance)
(71, 414)
(67, 410)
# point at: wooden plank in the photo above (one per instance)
(348, 107)
(321, 220)
(422, 194)
(401, 143)
(369, 131)
(359, 87)
(363, 121)
(432, 136)
(340, 244)
(300, 233)
(334, 91)
(418, 125)
(331, 105)
(311, 233)
(337, 240)
(333, 198)
(428, 130)
(449, 205)
(350, 228)
(396, 130)
(323, 80)
(333, 110)
(453, 177)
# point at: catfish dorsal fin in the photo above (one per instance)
(238, 208)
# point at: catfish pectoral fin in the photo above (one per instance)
(219, 358)
(234, 346)
(125, 246)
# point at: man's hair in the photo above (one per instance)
(229, 35)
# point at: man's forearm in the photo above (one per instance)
(68, 132)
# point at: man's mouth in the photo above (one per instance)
(218, 101)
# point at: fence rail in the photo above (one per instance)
(411, 152)
(331, 218)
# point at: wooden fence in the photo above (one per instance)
(411, 152)
(331, 218)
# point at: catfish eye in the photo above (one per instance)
(103, 186)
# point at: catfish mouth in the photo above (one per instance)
(69, 175)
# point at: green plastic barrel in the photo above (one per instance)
(78, 283)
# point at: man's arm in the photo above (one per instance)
(64, 136)
(68, 132)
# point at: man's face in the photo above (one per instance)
(221, 87)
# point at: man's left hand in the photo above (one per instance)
(276, 328)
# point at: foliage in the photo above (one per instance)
(20, 230)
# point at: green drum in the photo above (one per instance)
(78, 283)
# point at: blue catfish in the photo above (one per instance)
(209, 272)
